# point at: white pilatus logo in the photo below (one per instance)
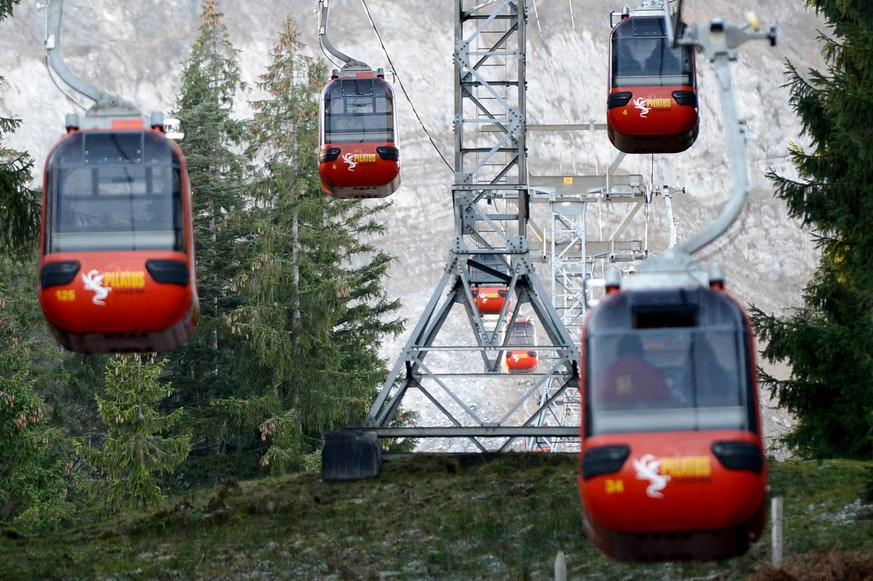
(642, 105)
(349, 158)
(94, 282)
(648, 468)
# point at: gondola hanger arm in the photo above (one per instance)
(323, 12)
(719, 41)
(102, 100)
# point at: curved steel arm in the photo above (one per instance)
(719, 41)
(323, 10)
(738, 165)
(102, 99)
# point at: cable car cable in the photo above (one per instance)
(579, 49)
(403, 88)
(548, 51)
(551, 56)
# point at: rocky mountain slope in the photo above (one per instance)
(135, 50)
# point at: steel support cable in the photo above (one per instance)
(546, 46)
(579, 49)
(403, 88)
(567, 75)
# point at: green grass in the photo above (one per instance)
(424, 517)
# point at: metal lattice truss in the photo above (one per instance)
(453, 370)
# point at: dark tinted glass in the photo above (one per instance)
(358, 110)
(642, 56)
(114, 191)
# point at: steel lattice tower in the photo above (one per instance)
(452, 363)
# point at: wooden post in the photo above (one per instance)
(560, 567)
(776, 517)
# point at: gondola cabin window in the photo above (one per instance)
(359, 111)
(642, 56)
(521, 333)
(694, 378)
(115, 191)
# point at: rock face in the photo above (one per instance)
(136, 49)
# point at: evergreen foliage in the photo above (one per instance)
(829, 341)
(32, 452)
(24, 444)
(136, 450)
(315, 309)
(293, 307)
(293, 311)
(19, 206)
(206, 368)
(6, 7)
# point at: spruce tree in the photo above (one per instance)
(33, 453)
(315, 309)
(6, 7)
(19, 206)
(137, 449)
(829, 341)
(206, 369)
(32, 459)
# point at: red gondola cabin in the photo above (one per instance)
(490, 299)
(521, 333)
(652, 103)
(117, 247)
(358, 155)
(672, 464)
(489, 276)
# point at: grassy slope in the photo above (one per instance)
(422, 518)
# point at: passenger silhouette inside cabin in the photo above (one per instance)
(630, 379)
(704, 380)
(650, 57)
(633, 55)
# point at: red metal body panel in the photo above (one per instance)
(489, 300)
(521, 360)
(110, 302)
(359, 172)
(672, 482)
(113, 304)
(652, 121)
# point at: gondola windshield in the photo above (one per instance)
(696, 379)
(358, 110)
(642, 56)
(521, 333)
(114, 191)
